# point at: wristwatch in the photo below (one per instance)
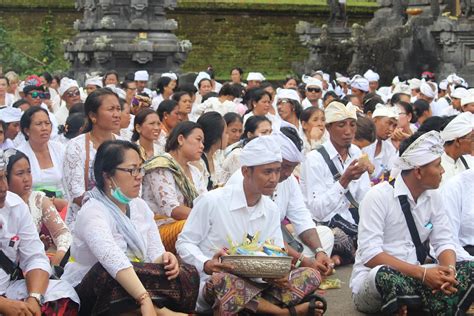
(318, 250)
(38, 297)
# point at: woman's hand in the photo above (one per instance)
(316, 133)
(147, 308)
(56, 259)
(171, 264)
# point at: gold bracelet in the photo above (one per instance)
(142, 297)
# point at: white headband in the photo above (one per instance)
(260, 151)
(460, 126)
(425, 149)
(336, 111)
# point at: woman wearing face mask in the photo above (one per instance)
(172, 183)
(119, 257)
(41, 208)
(102, 109)
(146, 130)
(46, 156)
(215, 140)
(254, 127)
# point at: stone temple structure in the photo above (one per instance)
(405, 37)
(125, 35)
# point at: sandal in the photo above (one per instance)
(312, 299)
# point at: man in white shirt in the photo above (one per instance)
(458, 136)
(458, 201)
(313, 93)
(382, 152)
(20, 244)
(328, 196)
(388, 274)
(317, 241)
(455, 107)
(230, 213)
(141, 80)
(373, 79)
(70, 94)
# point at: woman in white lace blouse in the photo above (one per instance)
(41, 207)
(102, 109)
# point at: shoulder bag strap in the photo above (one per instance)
(336, 175)
(420, 249)
(86, 169)
(464, 162)
(210, 185)
(10, 267)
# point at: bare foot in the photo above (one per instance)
(336, 259)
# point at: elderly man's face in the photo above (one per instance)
(429, 175)
(384, 127)
(3, 187)
(262, 179)
(287, 168)
(342, 133)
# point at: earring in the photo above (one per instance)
(93, 121)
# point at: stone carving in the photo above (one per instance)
(125, 35)
(395, 42)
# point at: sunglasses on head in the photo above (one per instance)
(74, 93)
(41, 95)
(313, 90)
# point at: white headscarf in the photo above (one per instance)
(414, 83)
(425, 149)
(260, 151)
(311, 82)
(336, 111)
(467, 99)
(427, 89)
(371, 75)
(257, 76)
(66, 84)
(10, 114)
(141, 75)
(460, 126)
(94, 80)
(287, 94)
(201, 75)
(289, 151)
(382, 110)
(170, 75)
(360, 83)
(460, 93)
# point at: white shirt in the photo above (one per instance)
(289, 199)
(97, 239)
(16, 221)
(61, 114)
(156, 101)
(437, 107)
(324, 196)
(449, 111)
(9, 100)
(383, 227)
(383, 162)
(452, 168)
(212, 223)
(458, 199)
(307, 104)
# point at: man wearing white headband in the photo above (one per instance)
(141, 79)
(382, 152)
(373, 79)
(334, 180)
(458, 201)
(313, 92)
(458, 137)
(389, 274)
(20, 245)
(467, 103)
(359, 87)
(70, 94)
(11, 116)
(317, 241)
(221, 217)
(456, 96)
(254, 80)
(93, 83)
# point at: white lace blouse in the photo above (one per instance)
(97, 239)
(162, 194)
(50, 218)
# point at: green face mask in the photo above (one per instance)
(118, 195)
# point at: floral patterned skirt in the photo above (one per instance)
(230, 294)
(397, 289)
(101, 294)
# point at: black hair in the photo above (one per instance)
(266, 84)
(241, 72)
(256, 96)
(213, 125)
(231, 117)
(252, 124)
(188, 87)
(6, 79)
(129, 76)
(204, 79)
(162, 83)
(139, 119)
(13, 159)
(408, 109)
(77, 108)
(178, 95)
(19, 103)
(419, 107)
(209, 95)
(230, 89)
(292, 134)
(290, 77)
(74, 123)
(47, 76)
(5, 126)
(182, 128)
(108, 73)
(308, 112)
(166, 106)
(125, 83)
(370, 102)
(365, 129)
(93, 103)
(330, 94)
(395, 99)
(434, 123)
(109, 155)
(25, 121)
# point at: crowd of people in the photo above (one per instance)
(122, 195)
